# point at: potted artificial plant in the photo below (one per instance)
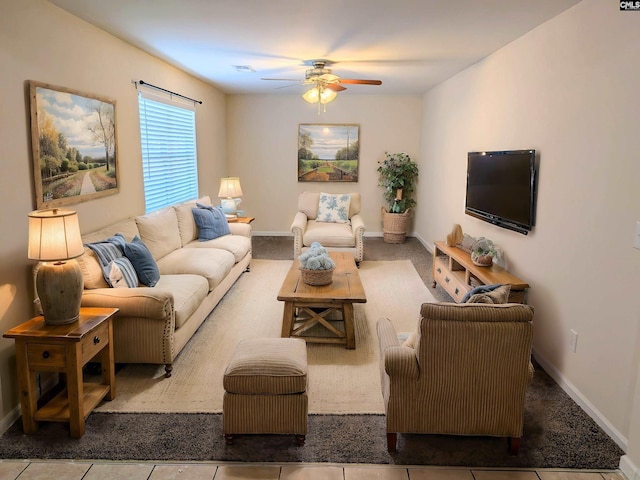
(316, 265)
(483, 252)
(398, 174)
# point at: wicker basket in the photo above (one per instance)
(394, 226)
(317, 277)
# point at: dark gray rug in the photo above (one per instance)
(557, 434)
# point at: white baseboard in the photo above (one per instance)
(428, 245)
(10, 419)
(582, 401)
(289, 234)
(43, 384)
(628, 468)
(271, 234)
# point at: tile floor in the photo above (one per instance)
(86, 470)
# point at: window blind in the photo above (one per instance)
(169, 159)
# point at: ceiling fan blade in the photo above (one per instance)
(282, 79)
(335, 87)
(360, 82)
(288, 86)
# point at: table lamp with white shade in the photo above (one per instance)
(230, 193)
(54, 240)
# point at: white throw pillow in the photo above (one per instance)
(334, 208)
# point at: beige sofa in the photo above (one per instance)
(155, 323)
(333, 236)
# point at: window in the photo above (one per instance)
(169, 160)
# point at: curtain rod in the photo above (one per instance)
(142, 82)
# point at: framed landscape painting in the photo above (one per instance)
(73, 138)
(328, 153)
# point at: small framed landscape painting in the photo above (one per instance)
(73, 138)
(328, 153)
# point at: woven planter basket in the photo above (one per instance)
(317, 277)
(394, 226)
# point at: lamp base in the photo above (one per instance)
(59, 286)
(229, 207)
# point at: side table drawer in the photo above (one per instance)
(46, 357)
(94, 342)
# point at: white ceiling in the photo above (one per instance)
(411, 45)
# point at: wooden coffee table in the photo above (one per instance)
(306, 306)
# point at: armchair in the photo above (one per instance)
(464, 372)
(307, 229)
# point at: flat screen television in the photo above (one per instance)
(501, 188)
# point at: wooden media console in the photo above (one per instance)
(457, 274)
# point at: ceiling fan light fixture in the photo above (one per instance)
(319, 94)
(312, 95)
(327, 96)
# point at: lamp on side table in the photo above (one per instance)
(54, 240)
(230, 192)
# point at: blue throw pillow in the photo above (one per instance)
(143, 263)
(480, 289)
(211, 222)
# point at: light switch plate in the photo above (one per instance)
(636, 238)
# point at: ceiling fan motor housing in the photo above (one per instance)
(317, 70)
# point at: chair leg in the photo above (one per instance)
(513, 445)
(392, 439)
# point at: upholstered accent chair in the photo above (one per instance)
(310, 225)
(464, 371)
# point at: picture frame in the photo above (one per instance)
(328, 152)
(74, 145)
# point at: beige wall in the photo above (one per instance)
(39, 41)
(263, 146)
(569, 90)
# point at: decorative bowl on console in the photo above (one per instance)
(482, 252)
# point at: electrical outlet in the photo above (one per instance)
(636, 238)
(573, 341)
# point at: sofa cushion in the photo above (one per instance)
(211, 221)
(127, 228)
(334, 208)
(92, 273)
(159, 232)
(186, 224)
(211, 263)
(334, 234)
(267, 366)
(188, 293)
(142, 260)
(238, 245)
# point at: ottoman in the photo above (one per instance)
(265, 387)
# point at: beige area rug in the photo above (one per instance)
(341, 381)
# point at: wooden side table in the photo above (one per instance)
(64, 349)
(241, 220)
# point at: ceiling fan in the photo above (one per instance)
(322, 77)
(326, 85)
